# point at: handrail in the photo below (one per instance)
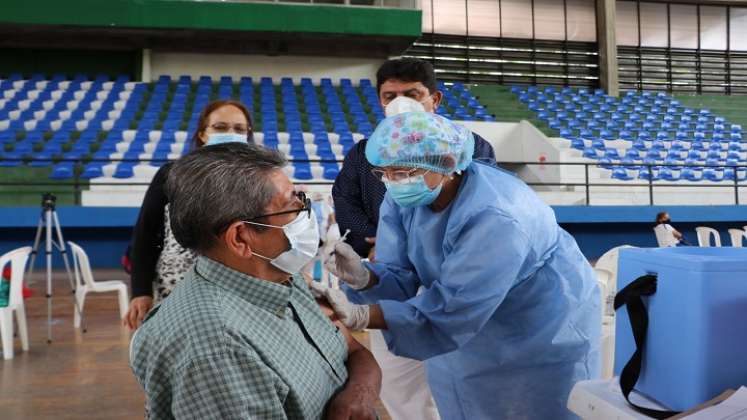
(78, 183)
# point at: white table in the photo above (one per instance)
(603, 400)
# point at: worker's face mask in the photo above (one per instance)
(402, 104)
(221, 138)
(303, 237)
(412, 192)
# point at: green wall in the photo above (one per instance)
(208, 15)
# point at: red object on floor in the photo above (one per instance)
(27, 293)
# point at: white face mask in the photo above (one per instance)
(402, 104)
(303, 236)
(220, 138)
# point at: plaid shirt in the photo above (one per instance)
(225, 345)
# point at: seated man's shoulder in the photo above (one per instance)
(192, 320)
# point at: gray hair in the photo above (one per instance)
(214, 186)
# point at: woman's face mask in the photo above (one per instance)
(413, 191)
(303, 237)
(220, 138)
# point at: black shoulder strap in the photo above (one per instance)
(630, 296)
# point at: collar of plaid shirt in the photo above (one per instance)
(268, 295)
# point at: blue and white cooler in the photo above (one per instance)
(694, 344)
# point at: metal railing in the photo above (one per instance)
(650, 182)
(77, 184)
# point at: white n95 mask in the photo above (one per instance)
(303, 236)
(402, 104)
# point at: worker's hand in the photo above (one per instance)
(352, 403)
(372, 251)
(346, 264)
(353, 316)
(139, 307)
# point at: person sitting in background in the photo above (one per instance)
(158, 262)
(666, 235)
(241, 336)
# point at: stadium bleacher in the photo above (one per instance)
(121, 129)
(635, 135)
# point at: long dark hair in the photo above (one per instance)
(212, 106)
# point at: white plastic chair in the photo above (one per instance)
(84, 284)
(704, 236)
(736, 237)
(604, 278)
(606, 271)
(17, 259)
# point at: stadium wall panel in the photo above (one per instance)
(209, 15)
(256, 66)
(105, 232)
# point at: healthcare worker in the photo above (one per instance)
(510, 316)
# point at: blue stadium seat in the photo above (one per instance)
(633, 153)
(712, 174)
(658, 145)
(62, 171)
(577, 144)
(590, 153)
(302, 171)
(730, 174)
(648, 173)
(668, 174)
(621, 174)
(607, 135)
(676, 146)
(691, 174)
(92, 170)
(612, 153)
(653, 154)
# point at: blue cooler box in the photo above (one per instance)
(696, 345)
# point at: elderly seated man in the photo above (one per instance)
(242, 337)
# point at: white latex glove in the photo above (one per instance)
(345, 263)
(353, 316)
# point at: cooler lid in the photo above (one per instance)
(692, 258)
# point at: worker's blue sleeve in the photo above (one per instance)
(481, 265)
(398, 279)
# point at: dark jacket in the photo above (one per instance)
(148, 235)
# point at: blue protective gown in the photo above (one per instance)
(510, 318)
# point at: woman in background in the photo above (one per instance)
(158, 261)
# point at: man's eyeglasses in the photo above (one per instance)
(221, 127)
(300, 196)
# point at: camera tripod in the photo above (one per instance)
(48, 221)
